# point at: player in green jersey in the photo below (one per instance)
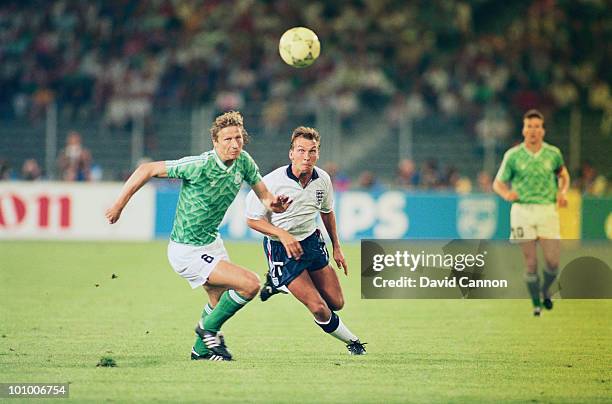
(538, 180)
(210, 182)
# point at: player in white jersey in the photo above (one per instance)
(297, 256)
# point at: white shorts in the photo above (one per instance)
(195, 263)
(533, 221)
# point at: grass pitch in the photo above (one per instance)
(62, 311)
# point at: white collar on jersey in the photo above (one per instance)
(220, 162)
(536, 154)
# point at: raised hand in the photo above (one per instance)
(280, 203)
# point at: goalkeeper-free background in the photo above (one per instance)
(57, 324)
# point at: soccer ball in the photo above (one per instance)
(299, 47)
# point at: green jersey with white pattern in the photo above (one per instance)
(532, 175)
(209, 187)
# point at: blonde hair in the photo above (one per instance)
(231, 118)
(306, 133)
(533, 113)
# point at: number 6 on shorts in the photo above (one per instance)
(207, 258)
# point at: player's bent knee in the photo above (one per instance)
(320, 310)
(252, 286)
(337, 303)
(254, 278)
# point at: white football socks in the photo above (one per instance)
(341, 332)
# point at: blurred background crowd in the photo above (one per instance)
(461, 64)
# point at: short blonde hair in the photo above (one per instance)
(533, 113)
(231, 118)
(306, 133)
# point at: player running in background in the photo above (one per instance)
(538, 179)
(196, 252)
(297, 257)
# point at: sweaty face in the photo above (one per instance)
(229, 143)
(533, 130)
(304, 154)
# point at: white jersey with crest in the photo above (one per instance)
(300, 219)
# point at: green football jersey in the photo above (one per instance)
(209, 187)
(532, 175)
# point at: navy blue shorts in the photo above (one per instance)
(283, 270)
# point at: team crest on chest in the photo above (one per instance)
(548, 164)
(237, 178)
(319, 195)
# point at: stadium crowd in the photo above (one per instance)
(455, 60)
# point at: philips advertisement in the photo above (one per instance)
(384, 215)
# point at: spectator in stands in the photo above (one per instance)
(368, 182)
(429, 176)
(590, 181)
(485, 182)
(5, 170)
(407, 177)
(463, 185)
(30, 170)
(74, 161)
(450, 177)
(274, 115)
(340, 181)
(454, 181)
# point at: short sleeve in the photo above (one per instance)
(559, 163)
(505, 170)
(254, 208)
(186, 168)
(327, 205)
(251, 171)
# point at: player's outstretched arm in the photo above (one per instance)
(275, 203)
(292, 246)
(141, 176)
(329, 221)
(564, 183)
(502, 189)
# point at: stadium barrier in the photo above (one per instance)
(392, 214)
(596, 218)
(72, 211)
(75, 211)
(396, 214)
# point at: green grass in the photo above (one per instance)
(56, 325)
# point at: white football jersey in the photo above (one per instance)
(300, 219)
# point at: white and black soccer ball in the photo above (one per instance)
(299, 47)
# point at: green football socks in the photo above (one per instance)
(213, 318)
(549, 278)
(533, 286)
(199, 345)
(229, 303)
